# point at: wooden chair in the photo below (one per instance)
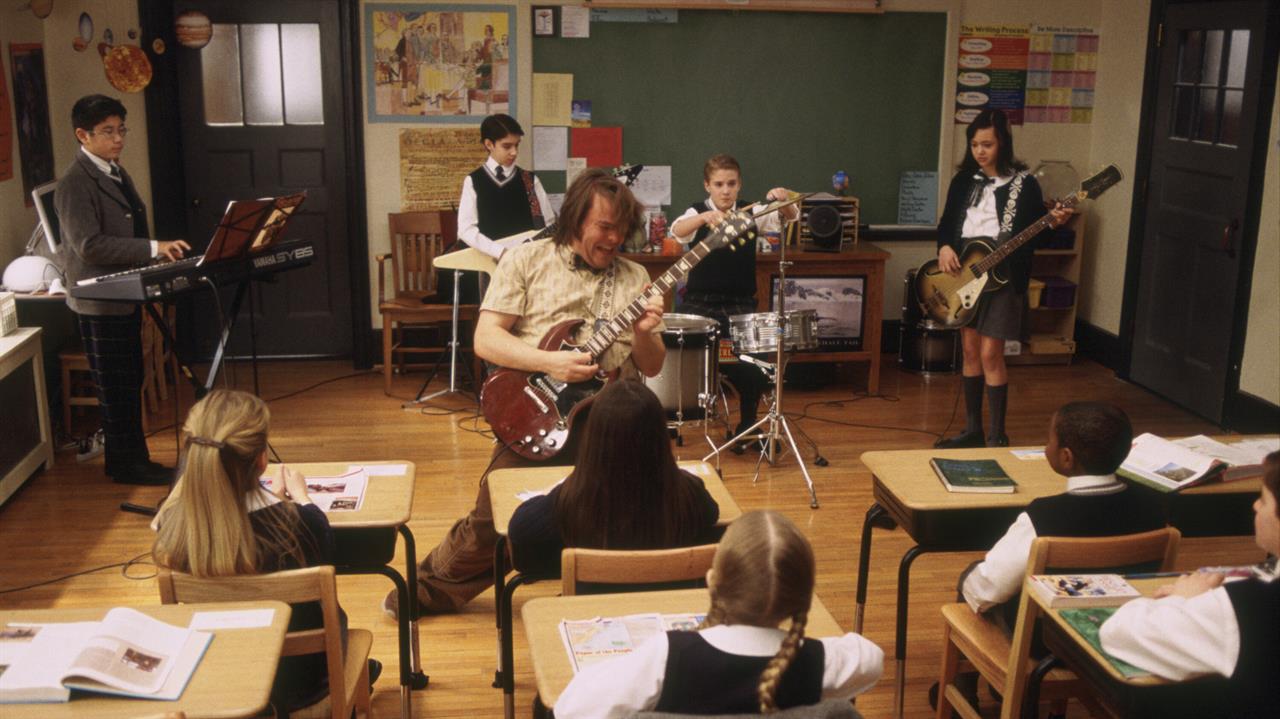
(631, 567)
(348, 677)
(829, 709)
(1006, 663)
(416, 239)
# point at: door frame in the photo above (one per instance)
(168, 184)
(1240, 411)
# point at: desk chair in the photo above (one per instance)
(1006, 663)
(829, 709)
(416, 239)
(348, 677)
(632, 567)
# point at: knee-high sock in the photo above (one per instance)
(973, 403)
(998, 395)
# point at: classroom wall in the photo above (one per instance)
(69, 76)
(16, 219)
(1260, 370)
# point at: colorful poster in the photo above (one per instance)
(31, 112)
(1061, 74)
(433, 163)
(992, 71)
(601, 146)
(440, 63)
(6, 128)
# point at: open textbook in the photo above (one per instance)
(341, 493)
(1174, 464)
(593, 640)
(127, 653)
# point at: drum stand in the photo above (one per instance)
(421, 398)
(776, 421)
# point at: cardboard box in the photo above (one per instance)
(1051, 345)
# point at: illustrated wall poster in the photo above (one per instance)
(544, 20)
(433, 163)
(580, 113)
(992, 71)
(440, 63)
(838, 302)
(6, 128)
(1061, 74)
(31, 113)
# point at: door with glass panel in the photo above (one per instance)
(1210, 114)
(262, 116)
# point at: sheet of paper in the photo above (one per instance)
(344, 493)
(653, 186)
(917, 198)
(552, 98)
(550, 148)
(1028, 454)
(573, 167)
(380, 470)
(235, 619)
(601, 146)
(575, 21)
(557, 200)
(528, 494)
(580, 113)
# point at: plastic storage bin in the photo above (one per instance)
(1058, 292)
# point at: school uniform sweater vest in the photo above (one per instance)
(503, 210)
(1095, 515)
(1254, 687)
(726, 271)
(701, 679)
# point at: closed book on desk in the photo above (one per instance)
(1082, 590)
(127, 653)
(1087, 622)
(972, 475)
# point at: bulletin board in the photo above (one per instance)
(793, 96)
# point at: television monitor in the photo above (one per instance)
(43, 196)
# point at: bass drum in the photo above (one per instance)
(928, 348)
(690, 375)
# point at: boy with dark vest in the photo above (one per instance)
(1199, 625)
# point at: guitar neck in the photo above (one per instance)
(1007, 248)
(607, 335)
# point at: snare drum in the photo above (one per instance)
(691, 371)
(758, 332)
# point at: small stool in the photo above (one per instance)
(83, 392)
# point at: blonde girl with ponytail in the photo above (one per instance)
(750, 655)
(219, 521)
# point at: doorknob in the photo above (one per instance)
(195, 202)
(1227, 231)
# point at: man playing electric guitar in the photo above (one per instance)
(576, 274)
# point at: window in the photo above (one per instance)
(1208, 90)
(262, 74)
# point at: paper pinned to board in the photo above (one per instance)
(552, 98)
(575, 21)
(602, 146)
(574, 166)
(653, 186)
(550, 148)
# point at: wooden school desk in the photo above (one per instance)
(366, 544)
(233, 678)
(908, 494)
(504, 485)
(542, 617)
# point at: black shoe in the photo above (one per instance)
(999, 440)
(142, 473)
(965, 440)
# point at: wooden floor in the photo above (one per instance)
(67, 520)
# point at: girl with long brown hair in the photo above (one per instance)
(625, 492)
(739, 661)
(219, 521)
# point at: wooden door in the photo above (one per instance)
(262, 115)
(1193, 258)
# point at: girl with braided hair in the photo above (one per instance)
(738, 661)
(220, 521)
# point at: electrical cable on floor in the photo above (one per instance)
(124, 572)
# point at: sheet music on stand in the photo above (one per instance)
(249, 226)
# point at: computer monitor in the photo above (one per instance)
(43, 196)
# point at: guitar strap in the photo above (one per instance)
(535, 208)
(603, 300)
(1011, 206)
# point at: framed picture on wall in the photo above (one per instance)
(440, 63)
(31, 113)
(838, 302)
(545, 21)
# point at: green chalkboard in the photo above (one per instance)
(793, 96)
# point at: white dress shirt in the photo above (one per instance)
(469, 216)
(983, 219)
(999, 577)
(107, 168)
(617, 688)
(771, 222)
(1176, 637)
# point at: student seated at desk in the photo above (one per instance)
(625, 492)
(1198, 625)
(739, 661)
(1087, 442)
(220, 522)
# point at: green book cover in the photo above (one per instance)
(972, 475)
(1087, 622)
